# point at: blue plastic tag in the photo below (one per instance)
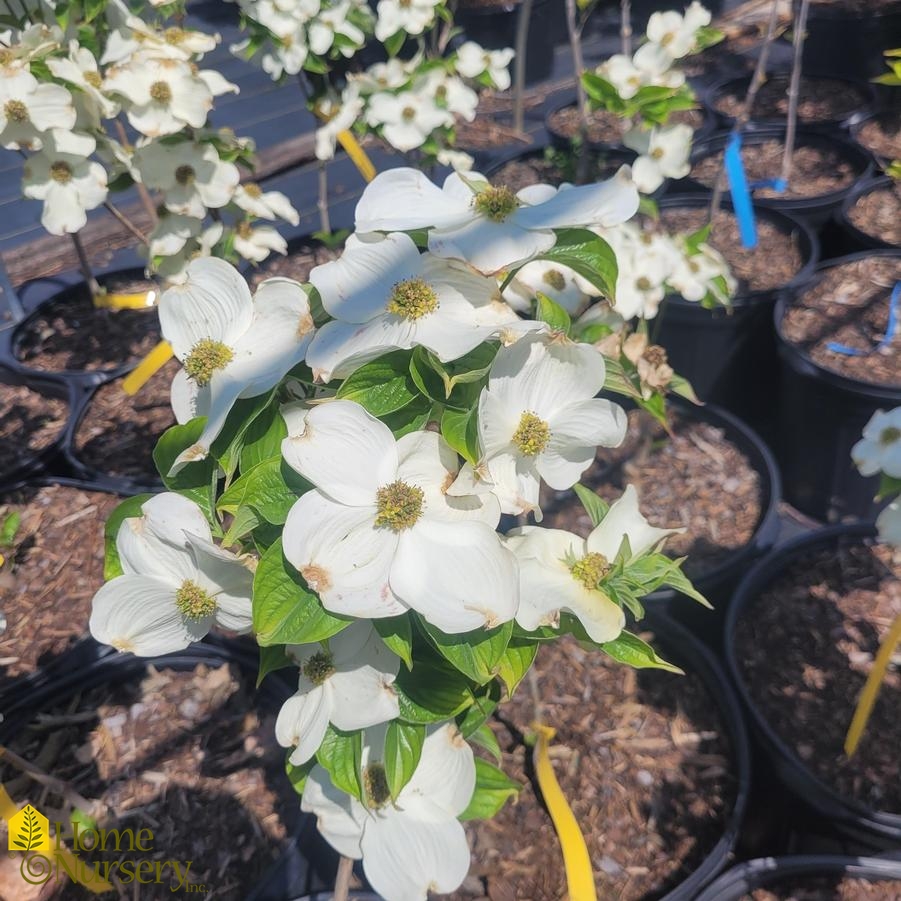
(890, 329)
(741, 195)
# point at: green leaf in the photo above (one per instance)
(493, 789)
(10, 527)
(228, 444)
(394, 43)
(243, 523)
(553, 314)
(485, 738)
(483, 705)
(381, 386)
(589, 255)
(680, 385)
(411, 418)
(340, 754)
(271, 659)
(285, 611)
(888, 487)
(433, 691)
(513, 666)
(195, 481)
(472, 367)
(297, 775)
(263, 438)
(131, 507)
(461, 431)
(265, 490)
(476, 654)
(617, 380)
(403, 748)
(595, 506)
(397, 633)
(694, 241)
(631, 650)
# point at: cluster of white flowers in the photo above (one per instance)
(879, 453)
(422, 407)
(61, 94)
(630, 86)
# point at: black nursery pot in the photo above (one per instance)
(729, 356)
(850, 41)
(89, 665)
(863, 827)
(778, 873)
(893, 116)
(821, 417)
(856, 239)
(815, 211)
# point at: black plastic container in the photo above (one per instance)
(893, 115)
(773, 872)
(850, 42)
(855, 239)
(875, 830)
(88, 665)
(729, 356)
(739, 86)
(815, 211)
(821, 417)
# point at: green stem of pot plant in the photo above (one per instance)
(575, 43)
(85, 266)
(793, 89)
(519, 65)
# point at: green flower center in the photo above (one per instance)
(193, 602)
(160, 92)
(375, 786)
(6, 57)
(590, 569)
(319, 667)
(398, 505)
(531, 435)
(184, 175)
(495, 203)
(889, 435)
(244, 230)
(174, 36)
(643, 283)
(408, 114)
(656, 153)
(412, 298)
(92, 78)
(554, 278)
(61, 172)
(252, 189)
(206, 357)
(16, 111)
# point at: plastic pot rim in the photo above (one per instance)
(803, 363)
(864, 186)
(830, 803)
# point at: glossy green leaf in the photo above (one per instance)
(263, 439)
(595, 506)
(553, 314)
(589, 255)
(631, 650)
(461, 431)
(272, 658)
(476, 654)
(403, 748)
(515, 663)
(493, 789)
(340, 755)
(383, 385)
(485, 738)
(195, 481)
(432, 692)
(397, 633)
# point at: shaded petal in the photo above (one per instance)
(302, 723)
(362, 698)
(226, 577)
(339, 818)
(340, 348)
(445, 778)
(490, 246)
(588, 423)
(625, 519)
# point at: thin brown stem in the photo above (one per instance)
(143, 193)
(84, 264)
(793, 89)
(744, 114)
(625, 26)
(519, 66)
(342, 880)
(322, 201)
(575, 43)
(121, 217)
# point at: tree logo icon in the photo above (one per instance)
(29, 830)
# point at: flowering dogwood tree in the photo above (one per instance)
(345, 451)
(74, 72)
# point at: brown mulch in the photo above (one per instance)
(297, 264)
(819, 99)
(882, 135)
(697, 479)
(773, 263)
(827, 888)
(815, 170)
(606, 128)
(190, 756)
(74, 334)
(118, 432)
(858, 7)
(645, 762)
(878, 213)
(48, 581)
(538, 169)
(805, 647)
(849, 305)
(29, 423)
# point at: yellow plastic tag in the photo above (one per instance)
(576, 860)
(871, 689)
(137, 301)
(353, 149)
(147, 368)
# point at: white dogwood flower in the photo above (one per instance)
(559, 283)
(407, 119)
(66, 180)
(29, 109)
(339, 118)
(386, 295)
(879, 450)
(695, 275)
(663, 153)
(230, 343)
(415, 844)
(676, 33)
(172, 232)
(560, 571)
(251, 198)
(346, 681)
(472, 60)
(80, 68)
(490, 227)
(256, 242)
(888, 523)
(133, 36)
(650, 65)
(410, 16)
(539, 418)
(191, 176)
(379, 535)
(176, 584)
